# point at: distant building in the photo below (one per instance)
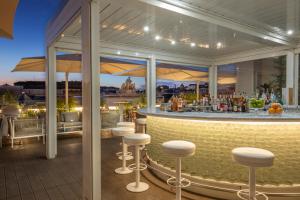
(109, 90)
(17, 90)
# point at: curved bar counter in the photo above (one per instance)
(215, 135)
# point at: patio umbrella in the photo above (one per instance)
(120, 67)
(7, 14)
(71, 63)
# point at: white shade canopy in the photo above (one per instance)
(7, 14)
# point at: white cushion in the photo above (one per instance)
(142, 121)
(70, 116)
(122, 131)
(137, 139)
(179, 148)
(253, 157)
(126, 124)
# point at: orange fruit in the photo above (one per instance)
(272, 110)
(279, 110)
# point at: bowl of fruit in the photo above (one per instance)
(275, 109)
(256, 103)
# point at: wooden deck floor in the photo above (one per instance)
(26, 175)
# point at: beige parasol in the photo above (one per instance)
(71, 63)
(7, 14)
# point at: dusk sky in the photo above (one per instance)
(30, 24)
(32, 17)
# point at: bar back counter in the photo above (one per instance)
(211, 169)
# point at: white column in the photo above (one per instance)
(151, 82)
(67, 90)
(213, 80)
(51, 140)
(292, 15)
(296, 79)
(91, 100)
(290, 69)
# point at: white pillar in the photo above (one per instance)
(51, 142)
(91, 142)
(151, 82)
(292, 15)
(67, 90)
(213, 80)
(290, 70)
(296, 79)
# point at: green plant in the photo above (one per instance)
(30, 113)
(189, 97)
(141, 101)
(280, 77)
(72, 103)
(102, 101)
(60, 105)
(10, 98)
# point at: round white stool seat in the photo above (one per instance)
(253, 157)
(142, 121)
(122, 131)
(137, 139)
(179, 148)
(126, 124)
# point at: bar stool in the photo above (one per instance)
(129, 154)
(142, 122)
(252, 158)
(126, 124)
(137, 140)
(121, 132)
(179, 149)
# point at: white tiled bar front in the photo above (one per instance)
(215, 135)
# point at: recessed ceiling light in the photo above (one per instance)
(193, 44)
(173, 42)
(157, 37)
(290, 32)
(118, 52)
(219, 45)
(62, 35)
(146, 28)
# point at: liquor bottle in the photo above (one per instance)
(218, 104)
(229, 104)
(235, 105)
(174, 106)
(225, 104)
(214, 104)
(179, 104)
(209, 100)
(273, 96)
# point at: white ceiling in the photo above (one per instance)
(122, 21)
(276, 15)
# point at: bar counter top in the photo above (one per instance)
(251, 116)
(216, 134)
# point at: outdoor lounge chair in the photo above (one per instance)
(69, 122)
(26, 128)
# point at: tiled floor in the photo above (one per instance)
(25, 174)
